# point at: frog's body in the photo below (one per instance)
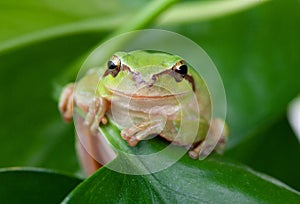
(147, 93)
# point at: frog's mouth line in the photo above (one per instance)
(137, 96)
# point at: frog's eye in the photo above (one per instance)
(180, 70)
(114, 65)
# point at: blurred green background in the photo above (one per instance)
(43, 43)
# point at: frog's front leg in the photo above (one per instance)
(96, 113)
(218, 134)
(95, 109)
(139, 132)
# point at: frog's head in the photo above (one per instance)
(147, 74)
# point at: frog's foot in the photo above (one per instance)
(215, 140)
(95, 114)
(65, 104)
(137, 133)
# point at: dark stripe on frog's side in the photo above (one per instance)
(137, 77)
(190, 79)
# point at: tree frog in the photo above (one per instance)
(147, 93)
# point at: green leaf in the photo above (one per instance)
(276, 153)
(32, 132)
(68, 17)
(210, 181)
(29, 21)
(195, 11)
(24, 185)
(213, 180)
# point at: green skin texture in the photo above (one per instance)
(163, 106)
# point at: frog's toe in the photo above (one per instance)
(65, 105)
(193, 154)
(124, 135)
(201, 151)
(137, 133)
(104, 120)
(132, 141)
(216, 140)
(129, 132)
